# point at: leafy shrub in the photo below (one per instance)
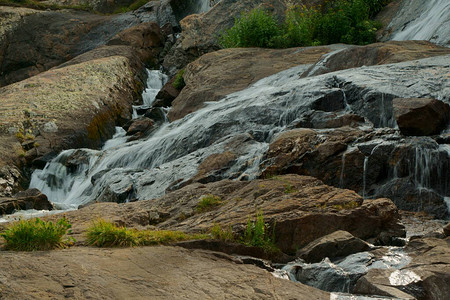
(106, 234)
(179, 83)
(256, 28)
(208, 202)
(35, 234)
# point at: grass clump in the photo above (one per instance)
(219, 233)
(179, 82)
(208, 202)
(35, 234)
(133, 6)
(106, 234)
(259, 234)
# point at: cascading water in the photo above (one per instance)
(422, 20)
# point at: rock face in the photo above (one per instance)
(337, 244)
(199, 31)
(75, 106)
(220, 73)
(138, 273)
(421, 116)
(426, 277)
(29, 199)
(303, 209)
(375, 54)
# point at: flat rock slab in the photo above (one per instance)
(140, 273)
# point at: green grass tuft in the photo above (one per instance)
(35, 234)
(179, 83)
(208, 202)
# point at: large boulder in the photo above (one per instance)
(28, 199)
(301, 208)
(421, 116)
(200, 31)
(217, 74)
(337, 244)
(75, 106)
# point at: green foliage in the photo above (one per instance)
(106, 234)
(341, 21)
(219, 233)
(133, 6)
(289, 189)
(179, 83)
(256, 28)
(35, 234)
(208, 202)
(259, 234)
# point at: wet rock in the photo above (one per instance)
(336, 244)
(421, 116)
(213, 164)
(9, 180)
(28, 199)
(199, 31)
(374, 54)
(156, 114)
(139, 125)
(217, 74)
(166, 95)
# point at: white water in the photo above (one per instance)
(423, 20)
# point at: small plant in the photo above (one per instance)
(35, 234)
(157, 237)
(208, 202)
(179, 83)
(289, 189)
(106, 234)
(219, 233)
(346, 205)
(259, 234)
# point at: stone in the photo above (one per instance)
(156, 114)
(28, 199)
(337, 244)
(139, 125)
(199, 275)
(166, 95)
(421, 116)
(447, 229)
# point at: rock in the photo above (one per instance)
(9, 180)
(145, 38)
(85, 101)
(200, 31)
(28, 199)
(100, 6)
(374, 54)
(156, 114)
(303, 209)
(166, 95)
(139, 125)
(421, 116)
(212, 165)
(447, 229)
(426, 277)
(217, 74)
(336, 244)
(199, 275)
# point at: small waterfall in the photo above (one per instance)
(366, 164)
(422, 20)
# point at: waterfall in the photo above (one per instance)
(422, 20)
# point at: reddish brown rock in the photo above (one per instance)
(421, 116)
(167, 94)
(139, 125)
(28, 199)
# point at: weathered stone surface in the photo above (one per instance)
(84, 102)
(421, 116)
(303, 208)
(375, 54)
(139, 125)
(447, 229)
(166, 95)
(337, 244)
(102, 6)
(426, 277)
(217, 74)
(200, 31)
(141, 273)
(28, 199)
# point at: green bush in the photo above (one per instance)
(256, 28)
(259, 234)
(179, 83)
(106, 234)
(208, 202)
(219, 233)
(35, 234)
